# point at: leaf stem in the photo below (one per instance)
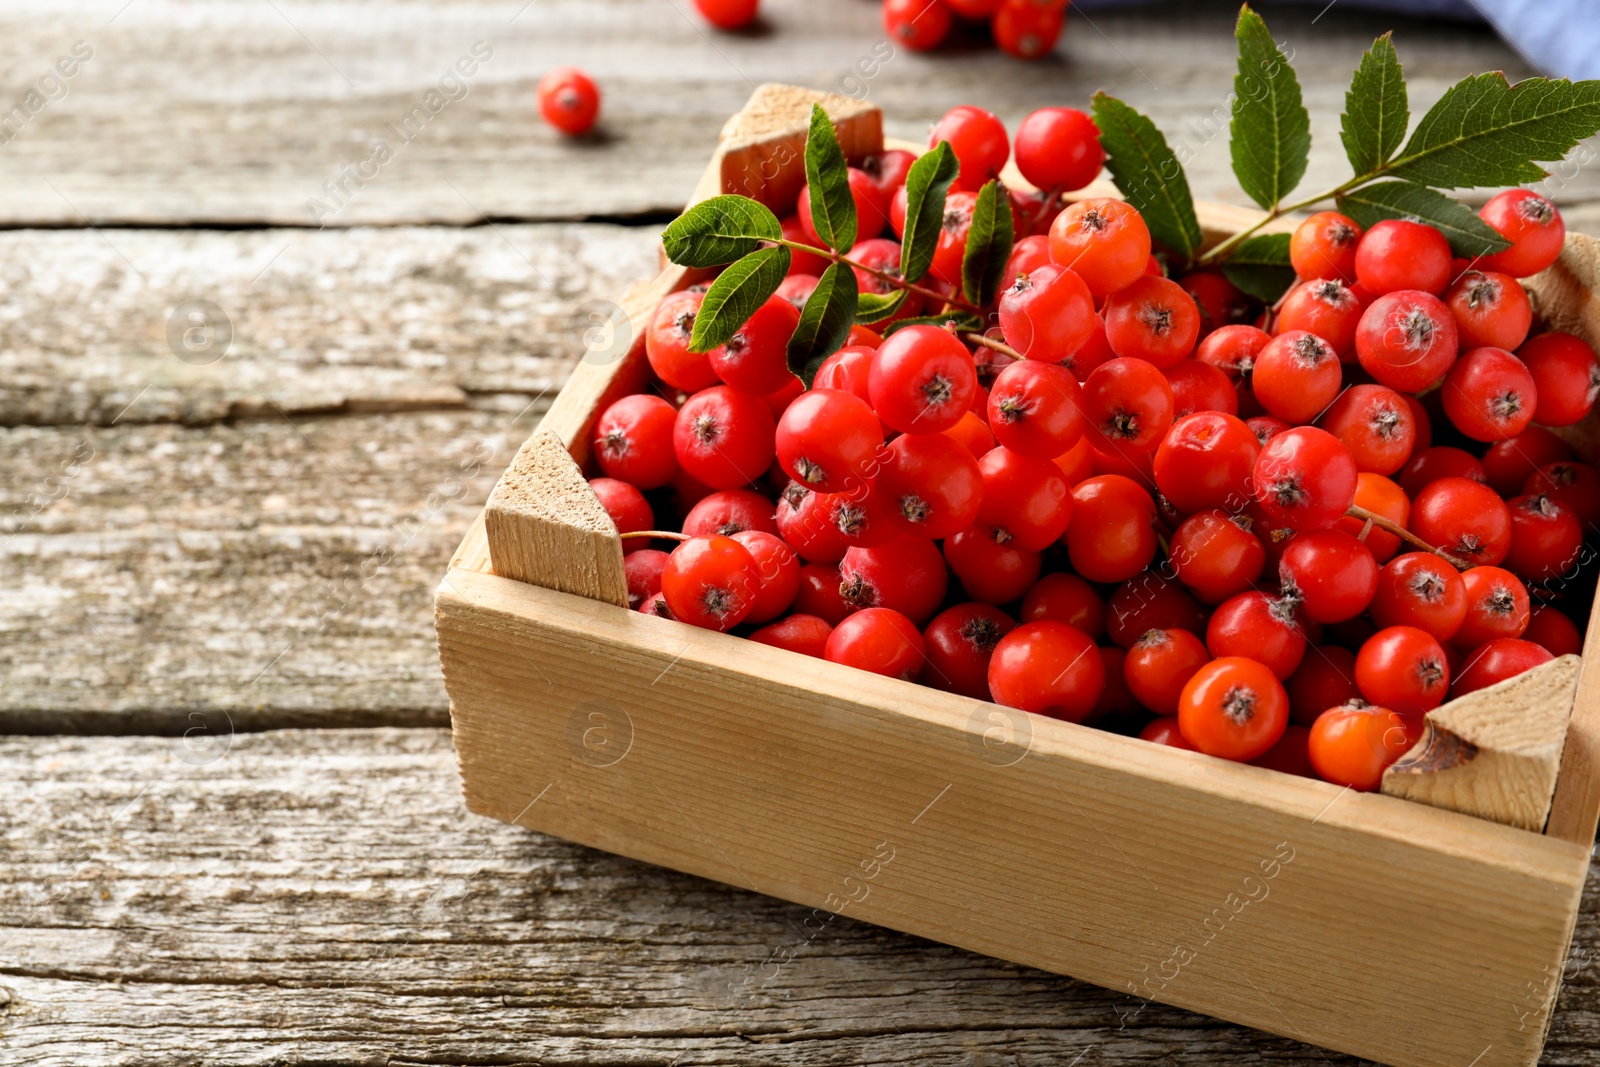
(1356, 511)
(891, 278)
(1218, 251)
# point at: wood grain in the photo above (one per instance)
(277, 907)
(293, 93)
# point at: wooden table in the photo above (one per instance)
(234, 834)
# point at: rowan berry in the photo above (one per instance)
(1066, 598)
(1385, 500)
(802, 263)
(1219, 301)
(1407, 340)
(1234, 708)
(1325, 307)
(1158, 666)
(1111, 537)
(1259, 627)
(1059, 148)
(1491, 309)
(960, 642)
(1106, 242)
(730, 511)
(1049, 668)
(1428, 465)
(1324, 246)
(642, 571)
(1545, 538)
(828, 440)
(1464, 518)
(711, 582)
(1152, 319)
(1404, 669)
(1497, 606)
(819, 594)
(628, 508)
(1028, 254)
(1233, 350)
(1127, 403)
(972, 433)
(1163, 730)
(1399, 254)
(1326, 678)
(1033, 409)
(1024, 499)
(877, 261)
(1215, 555)
(805, 634)
(728, 14)
(1330, 573)
(979, 142)
(1532, 225)
(1353, 745)
(920, 25)
(1198, 387)
(1571, 484)
(755, 358)
(633, 441)
(1151, 601)
(778, 571)
(1489, 395)
(990, 569)
(846, 369)
(1205, 461)
(1496, 661)
(568, 100)
(1305, 479)
(1550, 628)
(1027, 30)
(1047, 313)
(879, 640)
(666, 344)
(1566, 376)
(803, 521)
(1376, 424)
(922, 380)
(931, 485)
(1296, 376)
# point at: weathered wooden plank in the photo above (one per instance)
(270, 571)
(95, 326)
(323, 897)
(294, 95)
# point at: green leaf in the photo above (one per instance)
(1376, 111)
(735, 295)
(964, 321)
(1270, 135)
(1484, 131)
(833, 209)
(983, 264)
(875, 307)
(719, 230)
(1260, 266)
(1468, 234)
(824, 322)
(1148, 174)
(927, 185)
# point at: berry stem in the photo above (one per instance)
(883, 275)
(665, 535)
(990, 342)
(1220, 250)
(1356, 511)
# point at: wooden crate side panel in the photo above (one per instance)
(1364, 923)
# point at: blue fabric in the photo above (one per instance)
(1559, 37)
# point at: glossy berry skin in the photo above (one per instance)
(1215, 555)
(1464, 518)
(1566, 376)
(1384, 499)
(960, 641)
(922, 380)
(804, 522)
(1491, 309)
(1305, 479)
(1049, 668)
(666, 344)
(1421, 590)
(827, 440)
(1399, 254)
(819, 594)
(979, 142)
(642, 571)
(1546, 538)
(1027, 29)
(1158, 666)
(1059, 148)
(951, 247)
(728, 14)
(1259, 627)
(1404, 669)
(872, 208)
(1127, 404)
(1205, 461)
(1233, 708)
(1028, 254)
(1152, 319)
(1532, 225)
(1327, 308)
(1104, 241)
(907, 574)
(1497, 606)
(805, 634)
(1332, 574)
(1353, 745)
(883, 255)
(1572, 484)
(1034, 409)
(846, 369)
(1489, 395)
(1407, 340)
(633, 441)
(1047, 313)
(1495, 661)
(879, 640)
(1066, 598)
(1025, 497)
(755, 358)
(1508, 464)
(1326, 678)
(568, 100)
(919, 25)
(777, 570)
(628, 509)
(1111, 537)
(1163, 730)
(1324, 246)
(931, 485)
(730, 511)
(1376, 424)
(1233, 350)
(1551, 629)
(991, 570)
(1150, 601)
(723, 438)
(711, 582)
(1296, 376)
(1199, 386)
(1441, 461)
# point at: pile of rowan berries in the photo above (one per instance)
(1026, 29)
(1273, 534)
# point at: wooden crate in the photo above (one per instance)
(1369, 924)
